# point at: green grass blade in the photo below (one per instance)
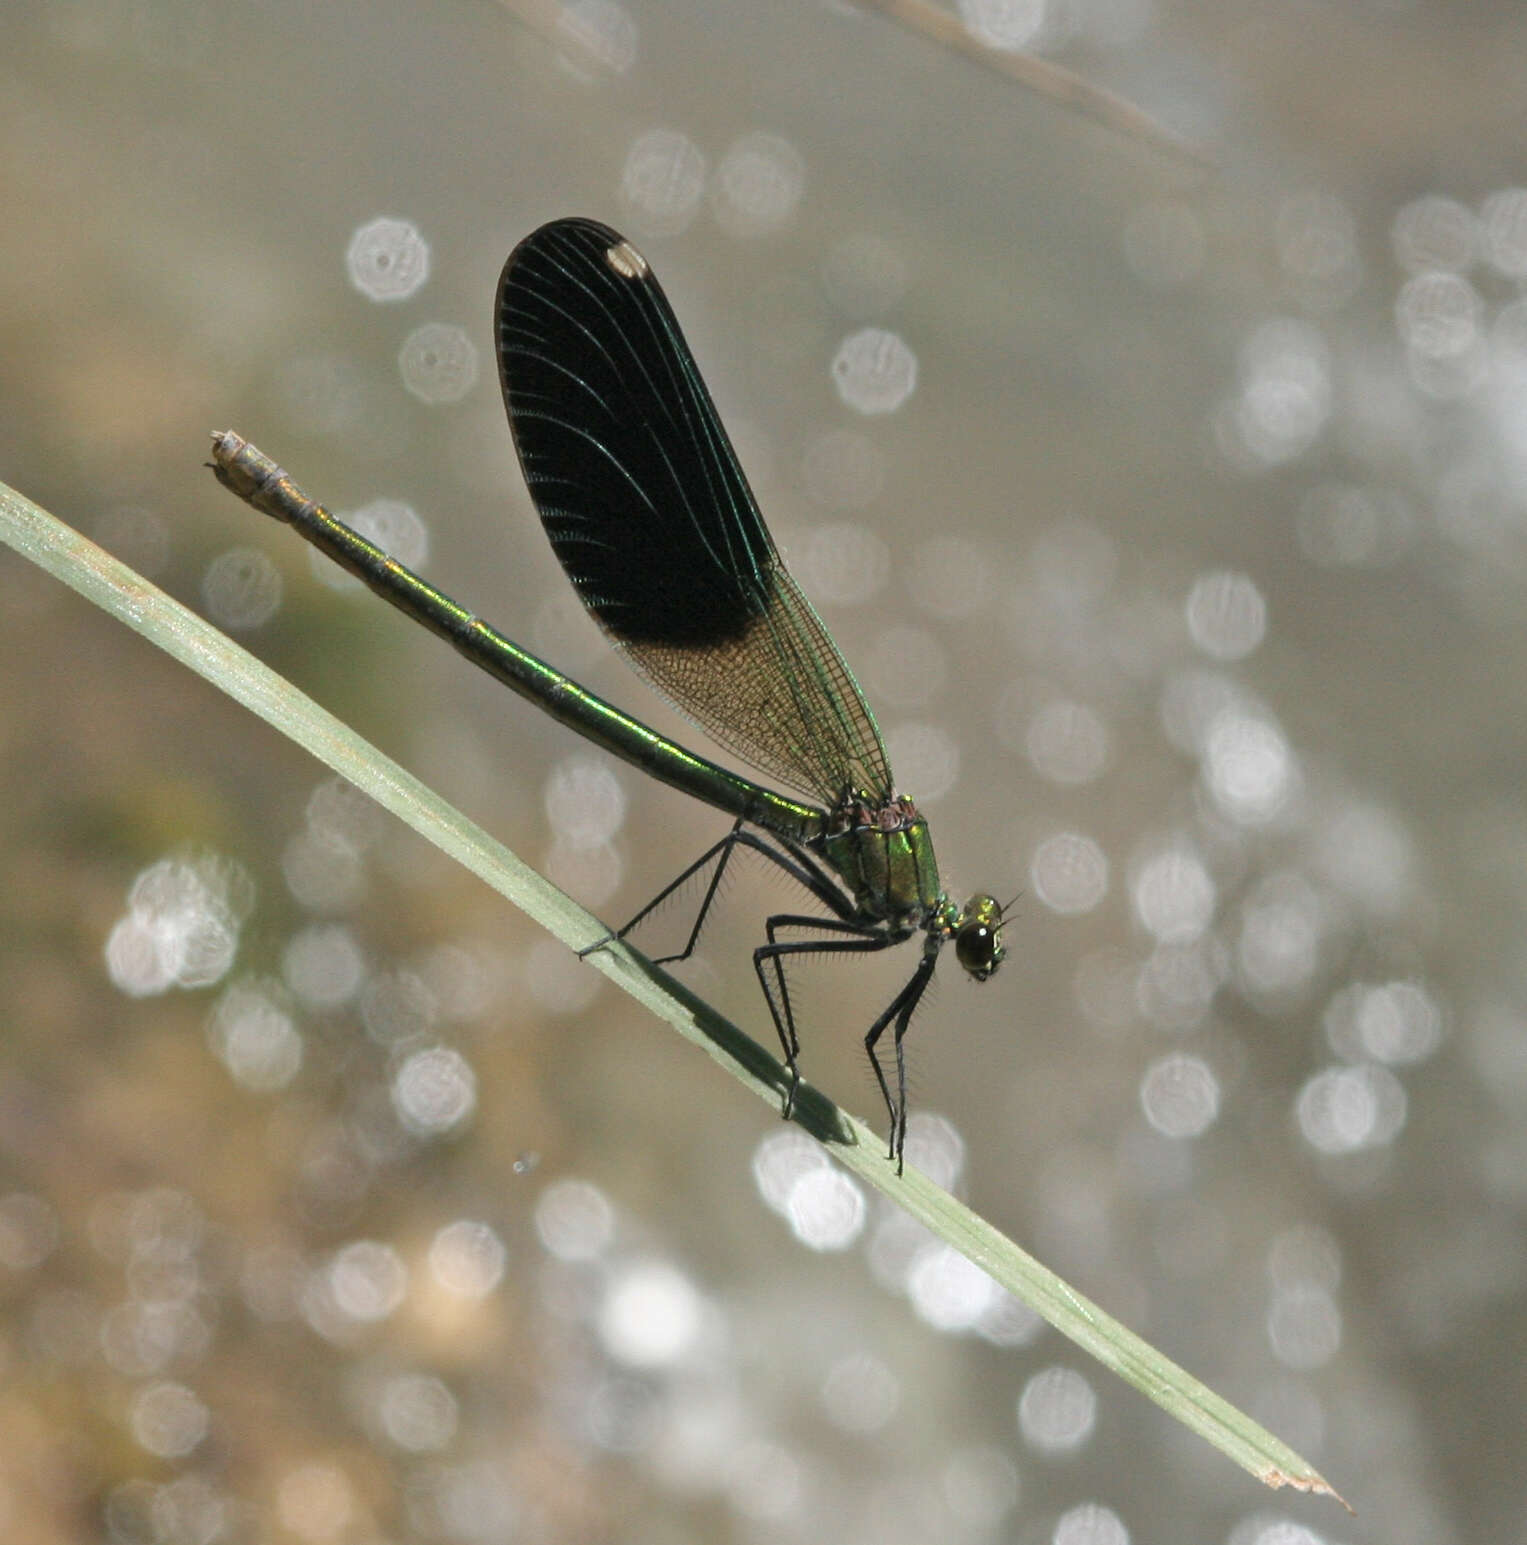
(111, 585)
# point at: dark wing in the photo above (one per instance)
(653, 521)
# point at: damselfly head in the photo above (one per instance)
(978, 936)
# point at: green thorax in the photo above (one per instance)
(885, 856)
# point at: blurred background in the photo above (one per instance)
(1176, 525)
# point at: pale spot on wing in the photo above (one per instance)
(627, 261)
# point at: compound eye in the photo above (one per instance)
(978, 947)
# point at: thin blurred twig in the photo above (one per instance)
(1039, 75)
(551, 21)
